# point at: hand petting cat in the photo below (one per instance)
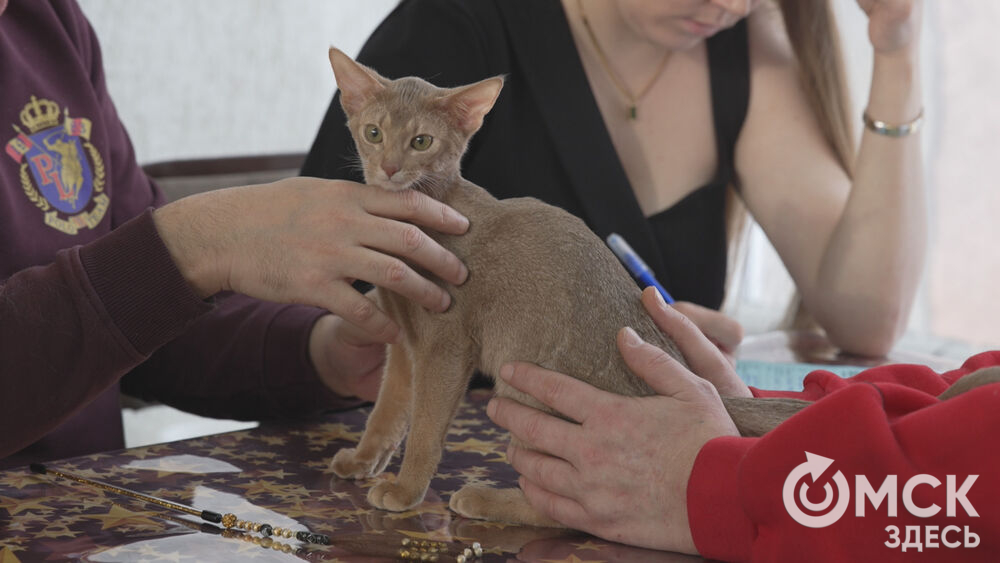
(621, 472)
(305, 240)
(723, 330)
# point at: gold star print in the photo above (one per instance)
(56, 531)
(421, 509)
(588, 545)
(138, 453)
(325, 433)
(7, 554)
(272, 440)
(321, 464)
(20, 480)
(15, 506)
(572, 559)
(218, 451)
(89, 502)
(15, 526)
(123, 481)
(119, 516)
(474, 445)
(262, 487)
(260, 453)
(297, 510)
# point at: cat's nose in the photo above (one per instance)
(389, 170)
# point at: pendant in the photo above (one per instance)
(632, 112)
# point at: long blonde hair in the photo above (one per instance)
(812, 32)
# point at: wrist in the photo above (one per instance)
(187, 246)
(895, 95)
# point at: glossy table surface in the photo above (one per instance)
(279, 474)
(276, 474)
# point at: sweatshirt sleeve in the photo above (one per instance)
(66, 334)
(246, 360)
(874, 426)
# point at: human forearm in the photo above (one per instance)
(247, 359)
(871, 267)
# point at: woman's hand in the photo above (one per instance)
(619, 468)
(347, 359)
(305, 240)
(893, 25)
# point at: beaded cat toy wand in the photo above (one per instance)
(227, 520)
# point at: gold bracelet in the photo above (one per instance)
(890, 130)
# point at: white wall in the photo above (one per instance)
(195, 78)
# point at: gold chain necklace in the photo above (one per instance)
(633, 107)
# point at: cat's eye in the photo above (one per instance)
(373, 134)
(422, 142)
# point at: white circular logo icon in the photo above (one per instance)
(815, 465)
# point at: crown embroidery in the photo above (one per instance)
(62, 172)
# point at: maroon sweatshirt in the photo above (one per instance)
(90, 300)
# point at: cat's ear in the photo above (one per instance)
(471, 103)
(357, 83)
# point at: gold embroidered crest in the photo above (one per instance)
(62, 172)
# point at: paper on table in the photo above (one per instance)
(785, 376)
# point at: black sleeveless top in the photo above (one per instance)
(692, 234)
(545, 136)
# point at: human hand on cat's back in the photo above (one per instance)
(723, 330)
(305, 240)
(706, 337)
(620, 471)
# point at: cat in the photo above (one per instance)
(542, 288)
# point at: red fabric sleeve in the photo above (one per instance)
(873, 425)
(821, 383)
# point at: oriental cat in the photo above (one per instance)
(542, 288)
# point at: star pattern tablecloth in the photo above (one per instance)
(279, 474)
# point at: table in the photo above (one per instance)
(812, 347)
(278, 473)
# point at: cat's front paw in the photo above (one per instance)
(348, 464)
(395, 496)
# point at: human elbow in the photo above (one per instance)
(872, 332)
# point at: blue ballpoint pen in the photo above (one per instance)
(635, 265)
